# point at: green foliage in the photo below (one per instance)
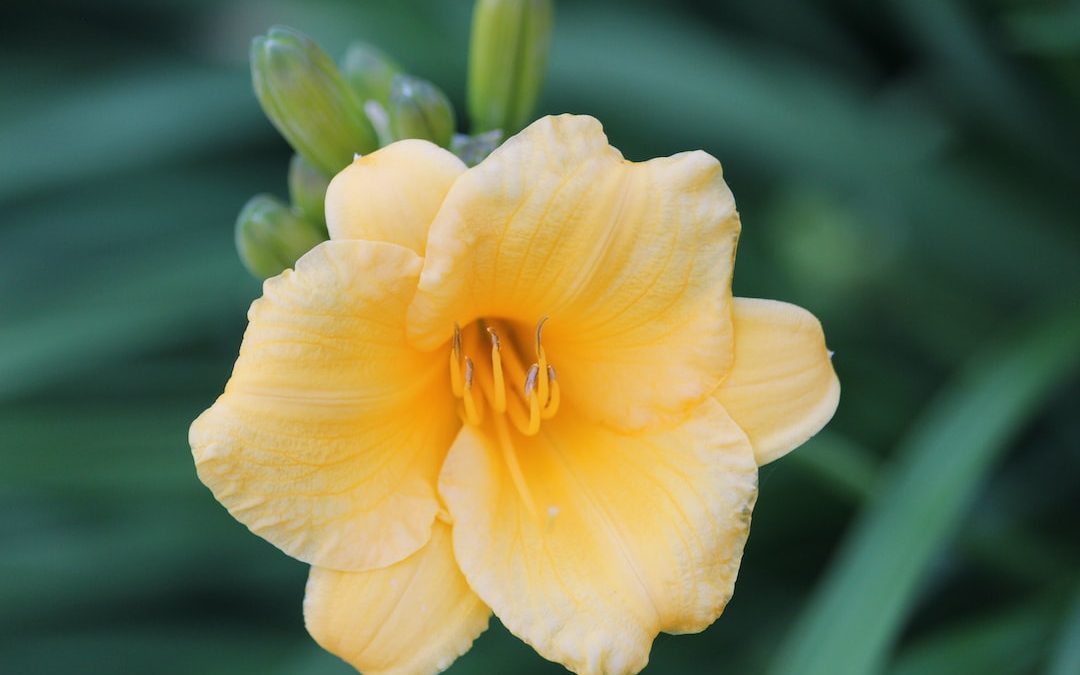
(906, 172)
(858, 612)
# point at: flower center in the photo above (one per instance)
(501, 384)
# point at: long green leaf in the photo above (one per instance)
(1066, 657)
(1007, 643)
(853, 620)
(116, 316)
(128, 121)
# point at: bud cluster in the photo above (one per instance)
(330, 113)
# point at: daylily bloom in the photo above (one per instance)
(522, 388)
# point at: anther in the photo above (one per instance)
(499, 404)
(533, 400)
(472, 409)
(552, 406)
(456, 383)
(530, 380)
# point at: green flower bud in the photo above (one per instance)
(270, 237)
(473, 149)
(369, 71)
(507, 59)
(307, 190)
(418, 109)
(307, 99)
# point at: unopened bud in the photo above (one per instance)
(473, 149)
(418, 109)
(307, 190)
(270, 237)
(507, 59)
(369, 72)
(307, 99)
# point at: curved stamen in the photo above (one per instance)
(533, 399)
(552, 406)
(492, 382)
(473, 411)
(499, 404)
(456, 382)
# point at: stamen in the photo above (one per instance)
(531, 396)
(472, 408)
(456, 383)
(499, 404)
(552, 406)
(481, 387)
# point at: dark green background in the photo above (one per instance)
(909, 171)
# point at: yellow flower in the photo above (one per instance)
(522, 388)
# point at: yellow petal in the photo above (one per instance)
(782, 388)
(411, 618)
(392, 194)
(631, 261)
(625, 536)
(328, 438)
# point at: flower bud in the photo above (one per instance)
(369, 72)
(270, 237)
(307, 99)
(473, 149)
(418, 109)
(307, 190)
(507, 58)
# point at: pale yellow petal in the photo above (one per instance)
(328, 438)
(392, 194)
(414, 617)
(631, 262)
(782, 388)
(604, 539)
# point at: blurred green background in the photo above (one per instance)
(908, 171)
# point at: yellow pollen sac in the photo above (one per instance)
(489, 380)
(473, 411)
(456, 382)
(497, 372)
(552, 405)
(533, 399)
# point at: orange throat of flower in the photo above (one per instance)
(501, 385)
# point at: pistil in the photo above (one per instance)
(541, 362)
